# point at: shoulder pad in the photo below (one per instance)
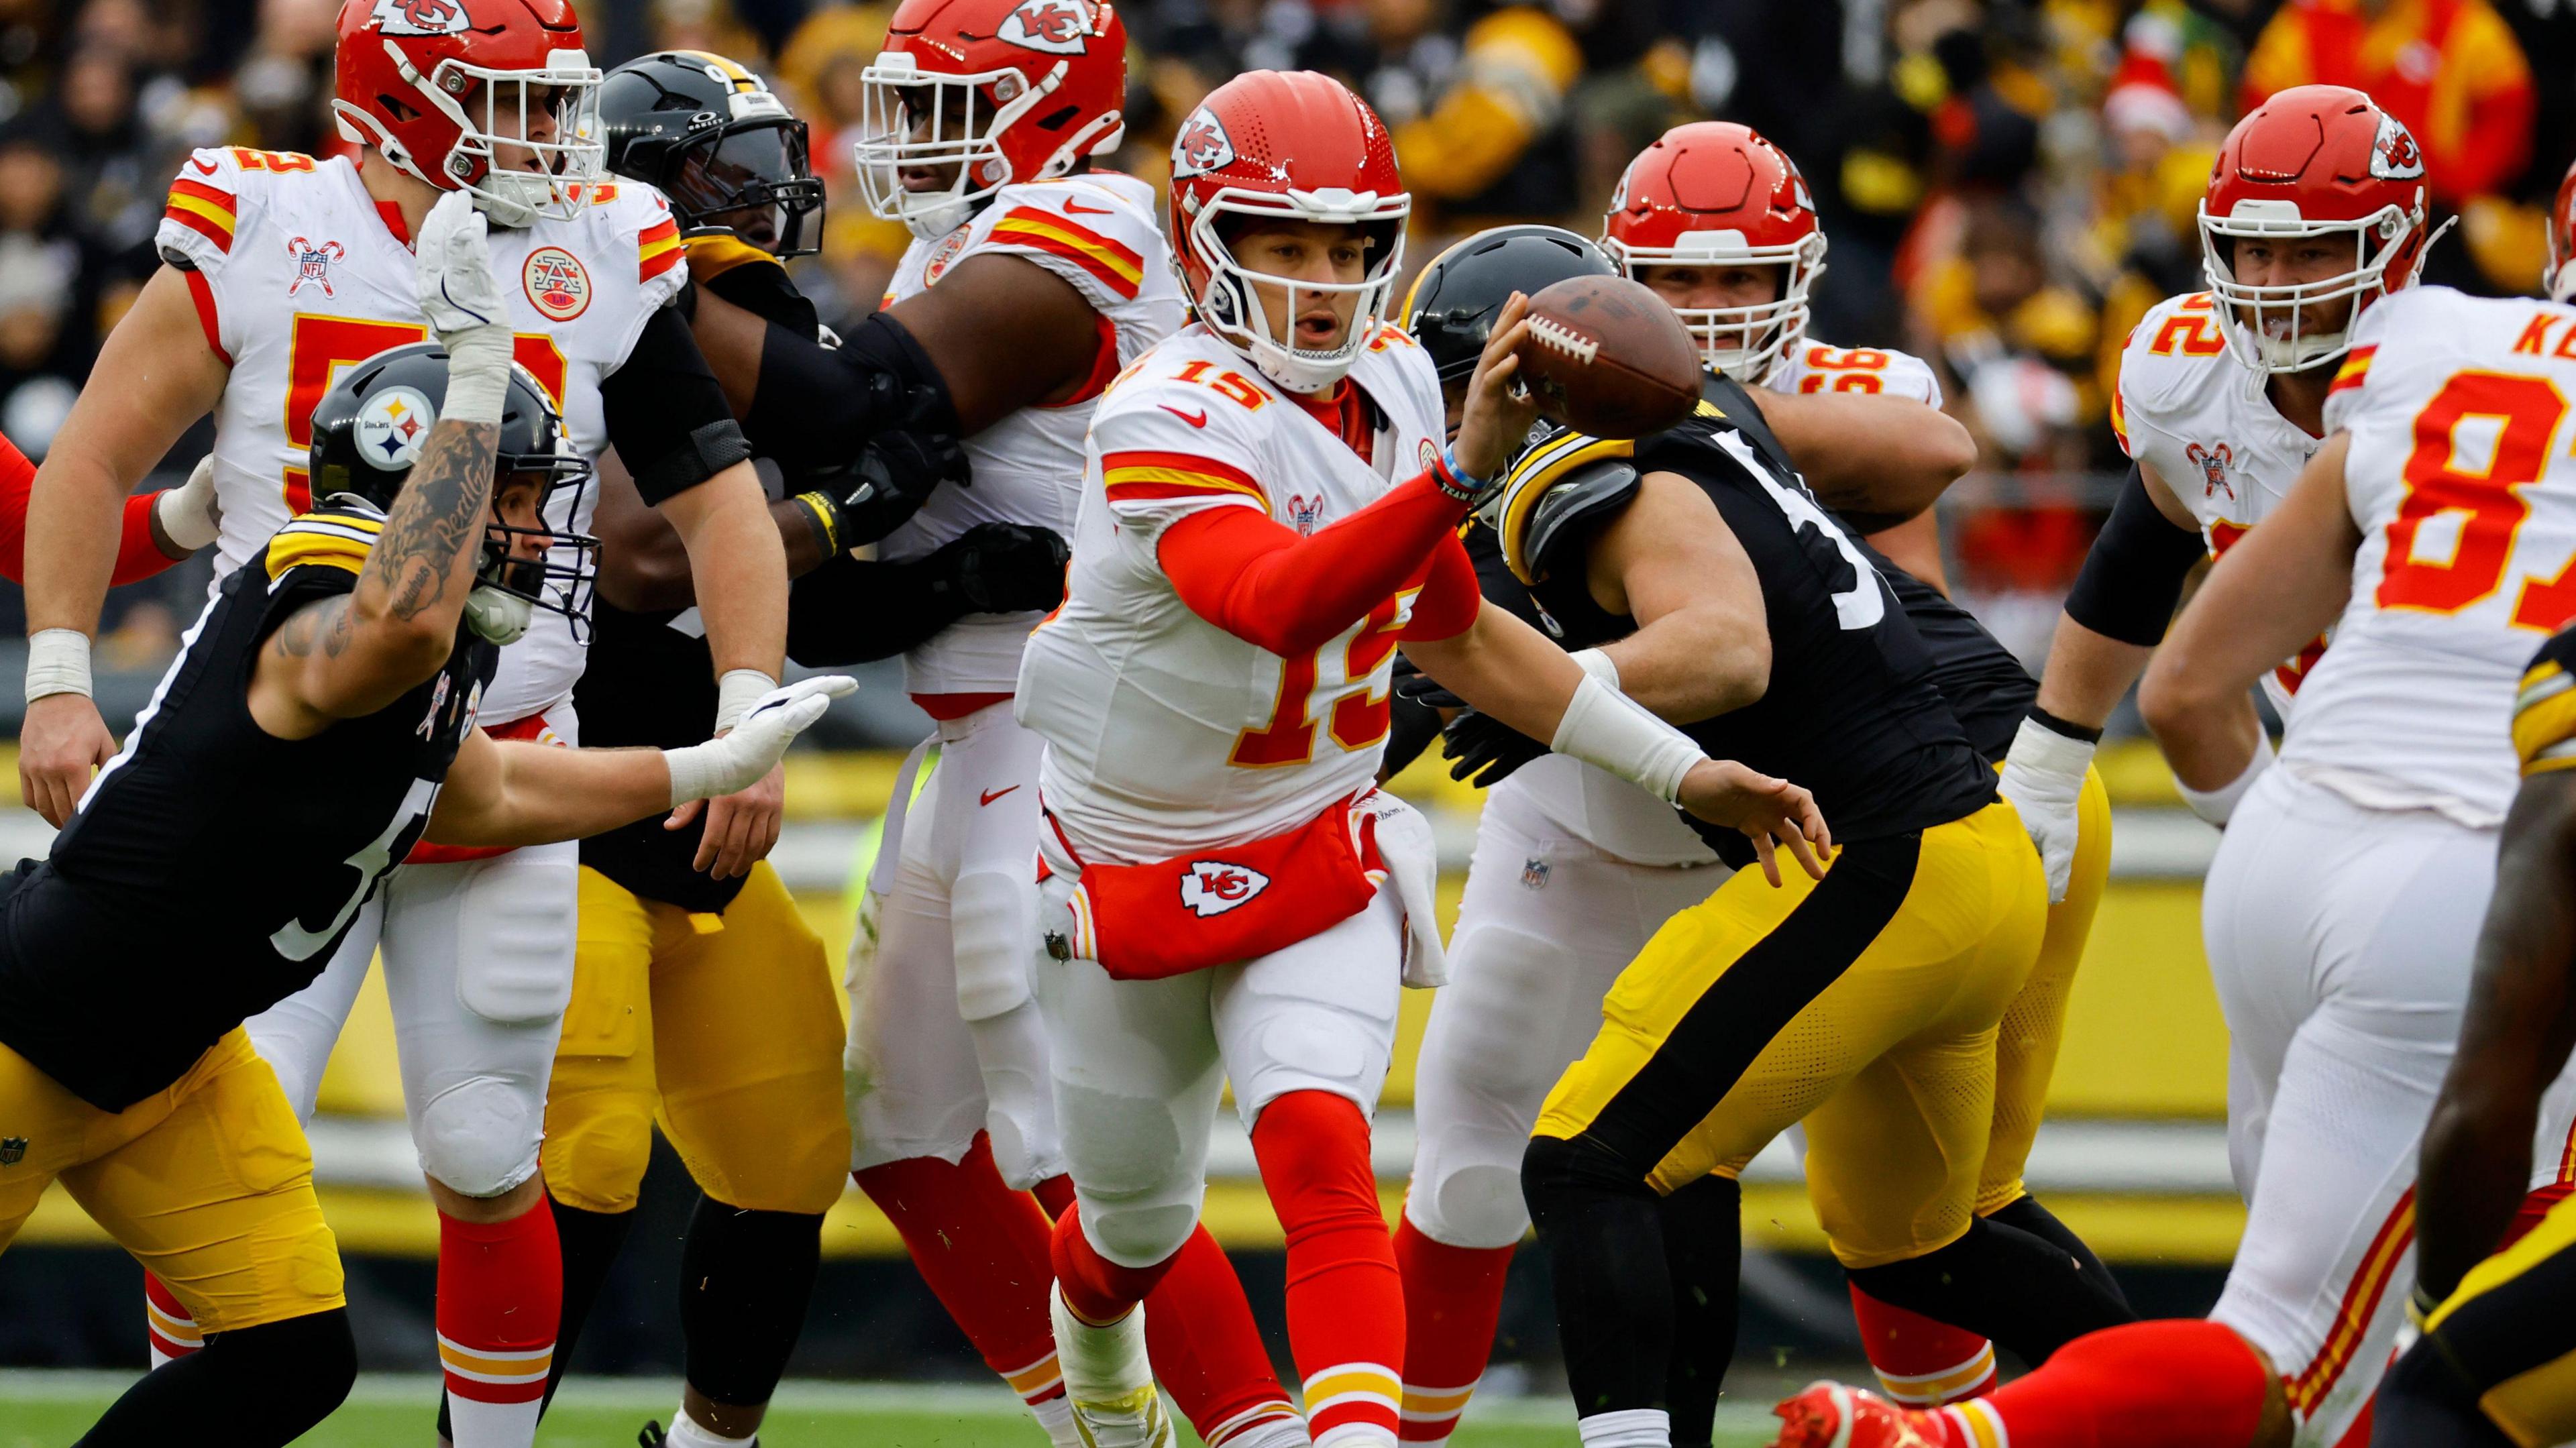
(333, 537)
(1568, 477)
(2544, 709)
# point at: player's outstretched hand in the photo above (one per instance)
(453, 265)
(1483, 750)
(1770, 812)
(61, 742)
(1499, 412)
(738, 760)
(742, 827)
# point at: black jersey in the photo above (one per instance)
(1850, 710)
(213, 868)
(1987, 688)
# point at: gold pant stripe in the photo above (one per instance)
(2508, 1328)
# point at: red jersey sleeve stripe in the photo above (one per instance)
(1167, 489)
(2355, 370)
(203, 192)
(653, 263)
(1074, 231)
(202, 292)
(1115, 465)
(1115, 266)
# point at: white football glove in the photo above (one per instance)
(2043, 776)
(744, 757)
(461, 300)
(188, 514)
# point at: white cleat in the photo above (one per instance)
(1108, 1381)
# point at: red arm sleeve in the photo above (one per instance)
(1260, 582)
(1450, 597)
(137, 556)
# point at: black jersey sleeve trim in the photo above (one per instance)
(2134, 574)
(666, 416)
(1570, 512)
(1547, 466)
(817, 406)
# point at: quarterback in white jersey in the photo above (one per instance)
(1266, 512)
(282, 271)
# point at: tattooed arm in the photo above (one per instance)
(353, 654)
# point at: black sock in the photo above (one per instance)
(253, 1387)
(1603, 1230)
(2027, 1294)
(2027, 1214)
(745, 1278)
(590, 1241)
(2427, 1402)
(1703, 1254)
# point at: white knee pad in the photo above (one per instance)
(479, 1137)
(993, 933)
(1470, 1198)
(1140, 1183)
(1019, 1096)
(515, 933)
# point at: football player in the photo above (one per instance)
(2344, 902)
(1227, 896)
(703, 1000)
(281, 272)
(1575, 872)
(320, 718)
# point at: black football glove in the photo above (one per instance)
(1411, 723)
(1484, 751)
(895, 474)
(1411, 683)
(1003, 568)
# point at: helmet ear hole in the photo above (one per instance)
(1059, 118)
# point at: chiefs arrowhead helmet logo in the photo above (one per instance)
(1058, 27)
(1201, 145)
(2394, 156)
(1212, 887)
(422, 17)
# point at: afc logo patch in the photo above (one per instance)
(1212, 887)
(1201, 145)
(313, 264)
(1057, 27)
(13, 1150)
(422, 17)
(2213, 464)
(555, 283)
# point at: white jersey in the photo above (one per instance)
(1815, 367)
(1164, 732)
(1097, 231)
(2187, 409)
(2460, 481)
(299, 276)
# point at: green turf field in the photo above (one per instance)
(49, 1410)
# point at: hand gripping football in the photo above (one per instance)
(1606, 357)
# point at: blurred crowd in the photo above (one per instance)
(2007, 184)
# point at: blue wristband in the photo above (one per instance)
(1454, 480)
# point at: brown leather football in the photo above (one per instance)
(1606, 357)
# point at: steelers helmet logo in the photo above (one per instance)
(393, 425)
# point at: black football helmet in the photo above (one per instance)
(1451, 308)
(719, 144)
(369, 429)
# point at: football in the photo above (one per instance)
(1606, 357)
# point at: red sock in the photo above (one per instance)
(500, 1297)
(1097, 1289)
(2169, 1384)
(167, 1328)
(982, 1247)
(1453, 1296)
(1207, 1350)
(1922, 1363)
(1345, 1301)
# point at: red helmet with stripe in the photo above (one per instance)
(2560, 278)
(1713, 193)
(2313, 161)
(440, 88)
(984, 93)
(1286, 145)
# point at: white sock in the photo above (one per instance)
(1056, 1416)
(688, 1432)
(1100, 1363)
(1628, 1428)
(1273, 1425)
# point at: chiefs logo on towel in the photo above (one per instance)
(1212, 887)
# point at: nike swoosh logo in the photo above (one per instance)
(992, 795)
(1198, 421)
(1076, 206)
(204, 168)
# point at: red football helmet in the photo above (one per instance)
(1713, 193)
(2560, 278)
(1293, 145)
(999, 90)
(2314, 160)
(415, 75)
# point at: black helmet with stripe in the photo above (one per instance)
(714, 139)
(1451, 308)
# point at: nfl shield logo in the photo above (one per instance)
(313, 264)
(13, 1149)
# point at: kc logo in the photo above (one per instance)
(1212, 887)
(1058, 27)
(313, 264)
(1201, 145)
(2393, 153)
(422, 17)
(2213, 463)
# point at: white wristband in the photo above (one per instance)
(57, 663)
(736, 691)
(1598, 664)
(693, 773)
(2216, 805)
(1610, 731)
(478, 375)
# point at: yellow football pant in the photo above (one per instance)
(208, 1183)
(727, 1027)
(2035, 1023)
(1865, 1004)
(2509, 1330)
